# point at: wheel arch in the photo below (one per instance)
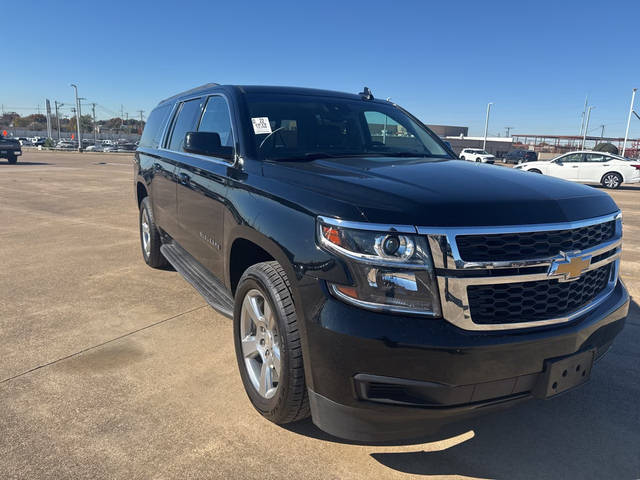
(248, 247)
(141, 192)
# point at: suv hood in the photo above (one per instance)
(436, 192)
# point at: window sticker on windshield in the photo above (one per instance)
(261, 125)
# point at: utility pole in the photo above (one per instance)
(584, 113)
(95, 133)
(78, 114)
(127, 120)
(58, 105)
(586, 126)
(141, 120)
(486, 126)
(508, 129)
(626, 133)
(602, 133)
(121, 117)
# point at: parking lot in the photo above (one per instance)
(109, 369)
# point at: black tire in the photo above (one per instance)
(611, 180)
(462, 158)
(290, 401)
(479, 160)
(153, 256)
(12, 159)
(534, 170)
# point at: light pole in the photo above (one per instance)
(486, 126)
(626, 133)
(78, 114)
(58, 105)
(586, 126)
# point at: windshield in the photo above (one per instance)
(291, 127)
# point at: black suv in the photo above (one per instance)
(375, 282)
(10, 148)
(520, 156)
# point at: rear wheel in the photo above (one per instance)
(611, 180)
(12, 159)
(534, 170)
(150, 237)
(462, 157)
(478, 159)
(267, 342)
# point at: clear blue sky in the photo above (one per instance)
(442, 60)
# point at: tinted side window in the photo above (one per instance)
(153, 129)
(216, 119)
(595, 157)
(576, 157)
(187, 116)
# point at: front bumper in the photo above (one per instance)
(5, 152)
(377, 377)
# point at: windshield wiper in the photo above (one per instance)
(318, 155)
(404, 154)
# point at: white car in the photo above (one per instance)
(588, 166)
(476, 155)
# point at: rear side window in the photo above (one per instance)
(185, 121)
(155, 125)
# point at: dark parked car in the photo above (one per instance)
(10, 148)
(375, 282)
(520, 156)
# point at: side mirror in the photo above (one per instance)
(206, 143)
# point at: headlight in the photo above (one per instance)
(392, 270)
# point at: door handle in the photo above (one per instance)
(184, 178)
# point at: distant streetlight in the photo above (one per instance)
(626, 133)
(586, 126)
(78, 114)
(486, 126)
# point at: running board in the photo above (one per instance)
(212, 289)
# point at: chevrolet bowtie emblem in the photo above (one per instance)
(570, 266)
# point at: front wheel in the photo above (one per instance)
(479, 160)
(611, 180)
(267, 343)
(534, 170)
(12, 159)
(462, 158)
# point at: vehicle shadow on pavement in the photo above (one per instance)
(592, 432)
(18, 164)
(623, 187)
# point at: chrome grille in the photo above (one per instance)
(529, 245)
(531, 301)
(502, 278)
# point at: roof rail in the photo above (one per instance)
(192, 90)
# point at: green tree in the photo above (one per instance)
(606, 147)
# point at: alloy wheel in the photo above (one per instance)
(260, 342)
(611, 180)
(146, 233)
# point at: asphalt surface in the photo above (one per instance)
(109, 369)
